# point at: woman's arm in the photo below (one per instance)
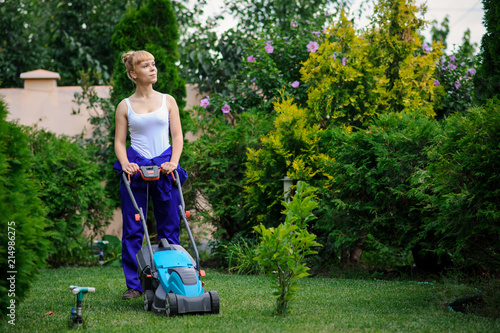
(121, 128)
(177, 137)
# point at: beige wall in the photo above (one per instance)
(42, 103)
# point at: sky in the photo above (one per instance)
(462, 14)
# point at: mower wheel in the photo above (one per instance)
(148, 300)
(214, 296)
(171, 305)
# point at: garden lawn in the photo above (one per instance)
(323, 305)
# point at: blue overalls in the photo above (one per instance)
(166, 201)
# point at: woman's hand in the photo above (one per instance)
(168, 167)
(131, 168)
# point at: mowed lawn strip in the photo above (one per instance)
(323, 305)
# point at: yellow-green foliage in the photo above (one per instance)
(358, 75)
(291, 149)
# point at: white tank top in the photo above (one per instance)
(149, 131)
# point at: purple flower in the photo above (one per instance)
(344, 61)
(462, 64)
(443, 60)
(294, 24)
(425, 47)
(312, 47)
(204, 102)
(226, 108)
(334, 55)
(452, 58)
(472, 71)
(457, 84)
(250, 58)
(252, 80)
(286, 38)
(452, 67)
(317, 33)
(269, 48)
(292, 56)
(295, 84)
(436, 83)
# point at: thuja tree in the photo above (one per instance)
(23, 243)
(460, 188)
(382, 70)
(290, 149)
(488, 77)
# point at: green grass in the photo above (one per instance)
(323, 305)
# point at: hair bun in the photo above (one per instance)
(127, 56)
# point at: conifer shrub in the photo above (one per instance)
(460, 188)
(23, 243)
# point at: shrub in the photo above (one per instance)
(290, 149)
(370, 205)
(356, 76)
(73, 194)
(239, 255)
(23, 242)
(216, 162)
(270, 69)
(454, 81)
(486, 82)
(460, 188)
(282, 250)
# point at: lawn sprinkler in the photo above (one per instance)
(76, 315)
(101, 250)
(169, 276)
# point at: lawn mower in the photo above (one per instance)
(169, 275)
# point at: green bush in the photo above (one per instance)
(290, 149)
(460, 188)
(282, 250)
(486, 81)
(23, 241)
(72, 193)
(370, 205)
(270, 70)
(355, 76)
(216, 164)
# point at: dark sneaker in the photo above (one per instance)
(131, 294)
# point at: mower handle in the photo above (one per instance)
(142, 175)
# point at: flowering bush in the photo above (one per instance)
(271, 68)
(454, 82)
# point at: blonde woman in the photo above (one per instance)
(150, 117)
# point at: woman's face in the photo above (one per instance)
(145, 72)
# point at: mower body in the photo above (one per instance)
(177, 288)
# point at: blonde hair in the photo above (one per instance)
(133, 58)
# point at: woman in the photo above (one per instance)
(149, 116)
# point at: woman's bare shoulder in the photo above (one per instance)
(122, 107)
